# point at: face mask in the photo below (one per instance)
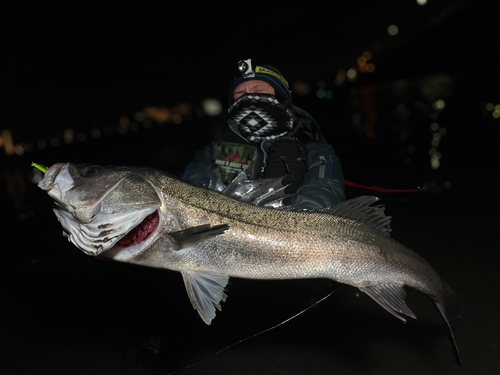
(260, 117)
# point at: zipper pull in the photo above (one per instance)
(322, 167)
(282, 158)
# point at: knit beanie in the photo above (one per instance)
(250, 70)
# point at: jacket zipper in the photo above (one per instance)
(322, 167)
(264, 159)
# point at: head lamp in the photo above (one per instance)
(245, 67)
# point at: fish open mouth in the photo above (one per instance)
(136, 240)
(141, 232)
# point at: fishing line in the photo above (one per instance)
(255, 335)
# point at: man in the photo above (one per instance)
(270, 137)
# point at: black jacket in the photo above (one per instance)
(323, 183)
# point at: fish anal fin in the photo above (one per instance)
(191, 236)
(205, 291)
(391, 298)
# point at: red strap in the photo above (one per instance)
(382, 190)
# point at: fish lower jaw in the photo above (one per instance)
(137, 239)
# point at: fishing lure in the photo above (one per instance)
(40, 167)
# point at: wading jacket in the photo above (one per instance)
(318, 182)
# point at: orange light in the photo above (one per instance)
(361, 61)
(7, 142)
(124, 122)
(160, 114)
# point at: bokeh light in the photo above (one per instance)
(393, 30)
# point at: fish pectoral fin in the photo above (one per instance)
(190, 236)
(205, 291)
(391, 298)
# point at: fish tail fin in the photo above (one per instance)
(451, 308)
(392, 299)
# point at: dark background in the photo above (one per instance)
(80, 83)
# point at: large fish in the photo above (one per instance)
(146, 217)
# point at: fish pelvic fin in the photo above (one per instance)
(205, 291)
(191, 236)
(391, 298)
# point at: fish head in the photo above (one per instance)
(101, 207)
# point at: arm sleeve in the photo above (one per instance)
(199, 172)
(324, 183)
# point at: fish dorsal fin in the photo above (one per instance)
(360, 209)
(205, 291)
(390, 297)
(268, 192)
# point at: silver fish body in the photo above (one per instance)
(210, 236)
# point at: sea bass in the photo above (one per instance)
(147, 217)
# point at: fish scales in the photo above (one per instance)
(302, 245)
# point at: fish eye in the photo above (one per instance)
(89, 172)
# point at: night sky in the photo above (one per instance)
(88, 83)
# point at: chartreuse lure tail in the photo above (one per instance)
(39, 167)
